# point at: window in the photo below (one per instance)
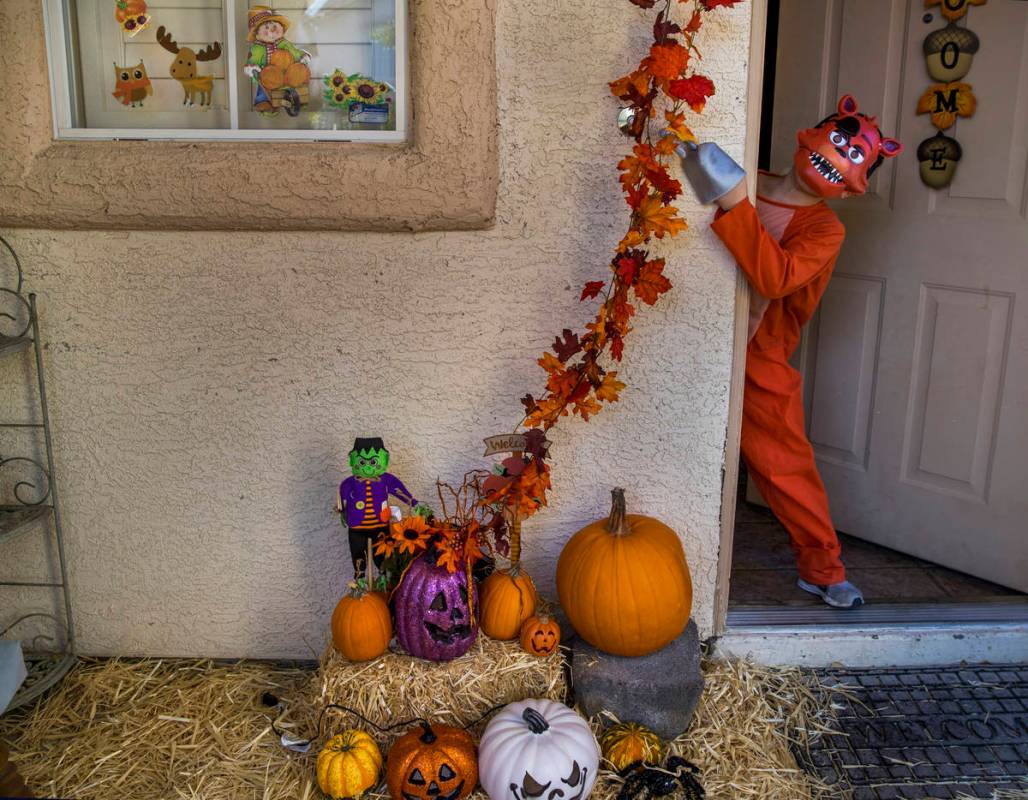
(228, 69)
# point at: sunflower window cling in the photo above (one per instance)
(365, 100)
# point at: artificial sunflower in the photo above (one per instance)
(411, 535)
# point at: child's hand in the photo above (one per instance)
(733, 197)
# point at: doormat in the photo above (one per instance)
(930, 732)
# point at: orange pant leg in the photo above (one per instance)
(781, 462)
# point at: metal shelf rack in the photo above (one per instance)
(33, 487)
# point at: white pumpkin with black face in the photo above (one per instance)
(538, 750)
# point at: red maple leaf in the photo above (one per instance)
(617, 347)
(568, 346)
(529, 403)
(629, 264)
(668, 187)
(592, 289)
(652, 282)
(643, 3)
(695, 22)
(710, 5)
(694, 90)
(635, 195)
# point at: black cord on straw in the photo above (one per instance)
(271, 700)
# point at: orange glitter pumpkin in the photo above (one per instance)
(432, 762)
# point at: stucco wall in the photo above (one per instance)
(206, 387)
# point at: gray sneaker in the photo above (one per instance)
(837, 595)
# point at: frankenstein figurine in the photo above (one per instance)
(363, 502)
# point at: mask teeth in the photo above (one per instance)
(825, 168)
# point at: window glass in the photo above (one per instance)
(229, 68)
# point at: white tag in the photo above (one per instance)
(296, 745)
(396, 513)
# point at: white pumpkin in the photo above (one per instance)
(538, 750)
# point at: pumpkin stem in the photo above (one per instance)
(616, 523)
(536, 723)
(428, 735)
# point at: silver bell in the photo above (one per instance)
(711, 172)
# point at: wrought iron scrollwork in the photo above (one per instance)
(15, 311)
(26, 488)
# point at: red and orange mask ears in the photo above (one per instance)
(836, 156)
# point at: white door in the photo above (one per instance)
(916, 366)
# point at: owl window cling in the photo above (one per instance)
(278, 68)
(132, 85)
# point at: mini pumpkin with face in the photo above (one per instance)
(540, 635)
(538, 750)
(432, 762)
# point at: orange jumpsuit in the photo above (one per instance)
(791, 271)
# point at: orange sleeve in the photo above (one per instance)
(775, 270)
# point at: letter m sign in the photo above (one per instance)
(946, 101)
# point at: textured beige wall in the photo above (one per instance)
(206, 386)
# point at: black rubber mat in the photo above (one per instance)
(933, 732)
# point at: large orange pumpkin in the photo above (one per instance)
(624, 583)
(506, 600)
(361, 625)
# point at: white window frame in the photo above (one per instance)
(61, 86)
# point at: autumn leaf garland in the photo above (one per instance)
(576, 383)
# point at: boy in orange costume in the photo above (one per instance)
(787, 246)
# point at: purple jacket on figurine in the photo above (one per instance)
(362, 501)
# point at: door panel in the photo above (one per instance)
(916, 365)
(843, 372)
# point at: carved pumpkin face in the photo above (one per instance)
(432, 763)
(433, 615)
(540, 636)
(538, 750)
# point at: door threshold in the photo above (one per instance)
(1000, 611)
(877, 644)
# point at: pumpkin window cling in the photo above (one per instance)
(132, 15)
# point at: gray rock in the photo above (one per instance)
(660, 691)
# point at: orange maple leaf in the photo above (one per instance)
(666, 62)
(658, 219)
(652, 281)
(633, 238)
(676, 125)
(637, 80)
(634, 167)
(611, 387)
(550, 363)
(587, 407)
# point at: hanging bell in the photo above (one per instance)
(711, 172)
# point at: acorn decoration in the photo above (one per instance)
(938, 156)
(949, 51)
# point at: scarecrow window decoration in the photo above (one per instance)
(241, 70)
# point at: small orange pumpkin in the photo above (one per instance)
(540, 635)
(361, 625)
(432, 762)
(506, 600)
(624, 583)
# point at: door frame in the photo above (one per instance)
(994, 636)
(730, 474)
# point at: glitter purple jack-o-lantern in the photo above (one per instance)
(433, 620)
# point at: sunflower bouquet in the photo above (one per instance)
(458, 538)
(342, 90)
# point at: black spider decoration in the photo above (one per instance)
(646, 781)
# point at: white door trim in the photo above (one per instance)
(880, 646)
(730, 474)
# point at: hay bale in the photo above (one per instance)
(397, 687)
(145, 729)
